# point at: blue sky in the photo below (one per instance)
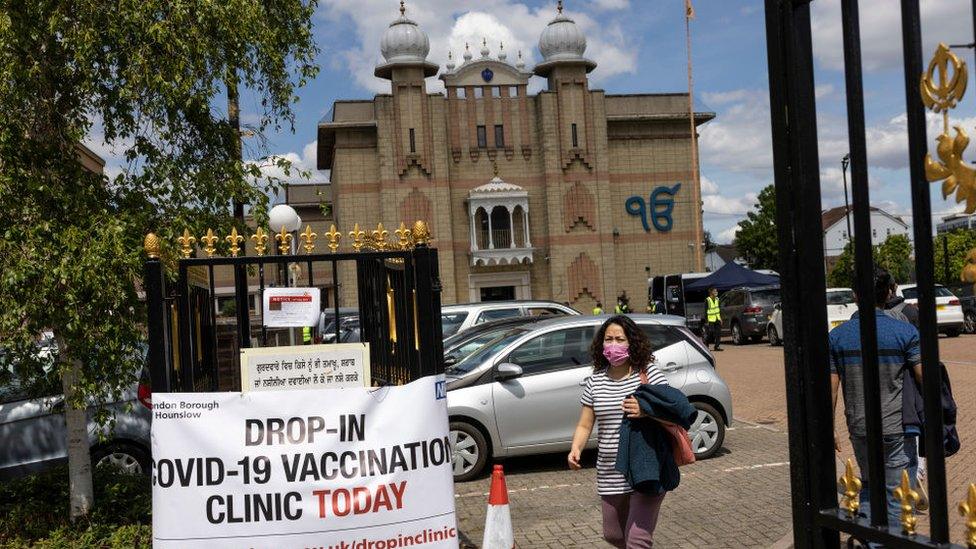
(639, 46)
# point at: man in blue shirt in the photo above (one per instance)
(898, 352)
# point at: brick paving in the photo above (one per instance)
(740, 498)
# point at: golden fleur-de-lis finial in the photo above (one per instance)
(186, 243)
(357, 237)
(379, 237)
(968, 511)
(908, 499)
(284, 241)
(260, 241)
(208, 242)
(852, 490)
(334, 237)
(403, 236)
(234, 241)
(308, 239)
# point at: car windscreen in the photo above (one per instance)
(451, 322)
(478, 357)
(940, 291)
(840, 297)
(465, 347)
(766, 298)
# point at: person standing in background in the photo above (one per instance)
(713, 315)
(598, 310)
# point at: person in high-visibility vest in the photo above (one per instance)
(307, 335)
(598, 310)
(713, 314)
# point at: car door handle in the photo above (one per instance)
(671, 367)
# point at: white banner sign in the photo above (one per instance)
(305, 367)
(332, 468)
(291, 307)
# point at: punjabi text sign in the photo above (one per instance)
(305, 367)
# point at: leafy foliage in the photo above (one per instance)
(960, 242)
(893, 255)
(144, 77)
(756, 240)
(123, 503)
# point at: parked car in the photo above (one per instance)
(462, 344)
(841, 305)
(746, 312)
(325, 330)
(33, 429)
(948, 311)
(520, 393)
(967, 299)
(457, 318)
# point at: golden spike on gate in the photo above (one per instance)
(908, 499)
(379, 238)
(208, 241)
(334, 237)
(968, 511)
(852, 489)
(357, 237)
(308, 239)
(234, 241)
(284, 241)
(942, 86)
(260, 241)
(186, 243)
(152, 245)
(403, 235)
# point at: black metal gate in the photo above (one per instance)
(192, 347)
(818, 518)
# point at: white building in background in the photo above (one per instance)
(883, 225)
(717, 257)
(955, 222)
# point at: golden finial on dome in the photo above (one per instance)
(494, 167)
(559, 6)
(403, 9)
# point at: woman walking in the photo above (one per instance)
(620, 351)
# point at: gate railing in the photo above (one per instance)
(397, 296)
(818, 518)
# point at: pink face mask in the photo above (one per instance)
(616, 353)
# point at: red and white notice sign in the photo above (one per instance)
(291, 307)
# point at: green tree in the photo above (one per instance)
(895, 256)
(756, 240)
(149, 76)
(959, 244)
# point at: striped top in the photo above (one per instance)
(606, 396)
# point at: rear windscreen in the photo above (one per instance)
(766, 297)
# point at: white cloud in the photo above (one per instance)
(823, 90)
(727, 236)
(738, 139)
(708, 186)
(451, 23)
(300, 162)
(880, 22)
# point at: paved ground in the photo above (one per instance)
(740, 498)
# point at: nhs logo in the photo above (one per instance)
(440, 390)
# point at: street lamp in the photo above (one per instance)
(844, 163)
(285, 217)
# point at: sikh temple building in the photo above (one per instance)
(571, 194)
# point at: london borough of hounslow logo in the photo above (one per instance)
(487, 74)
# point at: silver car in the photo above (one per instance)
(520, 393)
(458, 318)
(33, 430)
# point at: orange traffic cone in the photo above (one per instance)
(498, 521)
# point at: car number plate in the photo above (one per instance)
(940, 307)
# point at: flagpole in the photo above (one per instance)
(696, 181)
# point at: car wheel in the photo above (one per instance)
(773, 336)
(952, 332)
(469, 451)
(707, 432)
(737, 338)
(970, 323)
(126, 457)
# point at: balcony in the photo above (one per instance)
(499, 218)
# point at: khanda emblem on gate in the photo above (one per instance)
(943, 86)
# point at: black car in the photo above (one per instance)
(745, 312)
(968, 302)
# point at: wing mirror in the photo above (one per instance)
(507, 370)
(450, 360)
(778, 306)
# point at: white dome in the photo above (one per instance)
(405, 42)
(562, 40)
